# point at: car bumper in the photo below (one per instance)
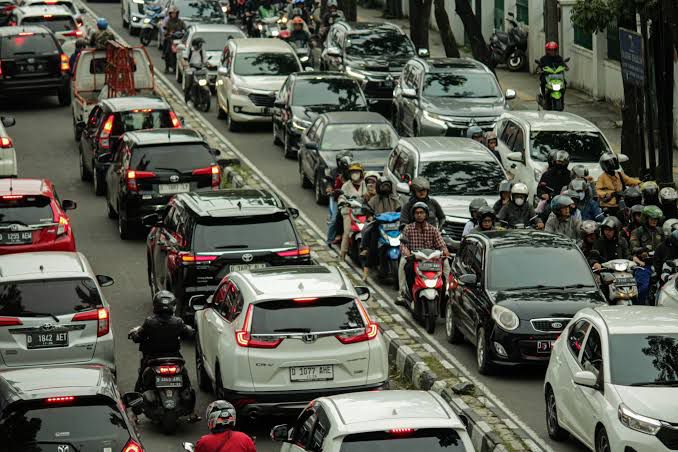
(242, 109)
(64, 243)
(34, 85)
(511, 348)
(624, 439)
(438, 127)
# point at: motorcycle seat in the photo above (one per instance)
(502, 36)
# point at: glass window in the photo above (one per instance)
(518, 142)
(592, 358)
(26, 210)
(522, 11)
(644, 359)
(358, 137)
(304, 428)
(130, 121)
(344, 94)
(467, 178)
(180, 157)
(52, 296)
(460, 85)
(382, 44)
(216, 41)
(576, 336)
(583, 39)
(582, 146)
(426, 439)
(200, 10)
(258, 232)
(265, 64)
(38, 44)
(54, 23)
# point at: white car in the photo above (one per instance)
(612, 381)
(8, 166)
(376, 421)
(69, 4)
(57, 18)
(270, 340)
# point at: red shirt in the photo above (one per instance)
(228, 441)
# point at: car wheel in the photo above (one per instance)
(204, 382)
(99, 186)
(602, 441)
(556, 432)
(64, 95)
(483, 353)
(305, 183)
(232, 125)
(110, 212)
(289, 152)
(221, 114)
(123, 226)
(453, 334)
(85, 174)
(320, 196)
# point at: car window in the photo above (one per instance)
(358, 137)
(52, 296)
(304, 428)
(53, 23)
(141, 119)
(250, 64)
(463, 178)
(311, 134)
(243, 233)
(393, 159)
(205, 9)
(518, 142)
(343, 94)
(387, 44)
(592, 357)
(38, 44)
(228, 309)
(320, 430)
(460, 85)
(582, 146)
(644, 359)
(94, 117)
(179, 157)
(215, 41)
(576, 335)
(69, 5)
(170, 222)
(219, 297)
(25, 210)
(404, 440)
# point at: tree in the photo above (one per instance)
(420, 19)
(443, 22)
(474, 31)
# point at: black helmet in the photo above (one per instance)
(609, 162)
(563, 157)
(385, 185)
(579, 172)
(588, 227)
(486, 212)
(476, 204)
(80, 44)
(611, 222)
(650, 192)
(164, 302)
(632, 196)
(197, 43)
(420, 183)
(419, 205)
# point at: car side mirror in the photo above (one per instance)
(132, 399)
(423, 53)
(409, 93)
(280, 433)
(468, 279)
(566, 60)
(515, 156)
(104, 280)
(586, 378)
(510, 14)
(150, 220)
(8, 121)
(403, 187)
(312, 145)
(215, 151)
(197, 302)
(294, 212)
(279, 104)
(510, 94)
(623, 158)
(333, 52)
(67, 204)
(223, 70)
(363, 292)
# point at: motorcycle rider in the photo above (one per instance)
(223, 437)
(371, 182)
(635, 220)
(589, 208)
(486, 217)
(250, 10)
(473, 207)
(611, 245)
(102, 35)
(504, 195)
(648, 236)
(551, 59)
(561, 221)
(340, 174)
(555, 177)
(475, 133)
(333, 13)
(490, 140)
(299, 36)
(266, 9)
(611, 182)
(519, 211)
(668, 249)
(421, 189)
(588, 233)
(650, 192)
(79, 45)
(667, 202)
(353, 188)
(196, 60)
(171, 24)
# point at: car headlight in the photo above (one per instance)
(147, 20)
(435, 118)
(300, 124)
(638, 422)
(224, 9)
(355, 73)
(505, 318)
(202, 82)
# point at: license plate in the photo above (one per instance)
(625, 282)
(29, 68)
(312, 373)
(165, 189)
(429, 267)
(240, 267)
(46, 340)
(390, 226)
(544, 346)
(169, 382)
(16, 238)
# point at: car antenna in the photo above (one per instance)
(239, 205)
(11, 187)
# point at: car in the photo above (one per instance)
(6, 8)
(61, 408)
(368, 135)
(383, 420)
(252, 72)
(65, 25)
(192, 12)
(216, 37)
(304, 96)
(611, 382)
(222, 231)
(526, 160)
(273, 339)
(150, 166)
(8, 165)
(132, 13)
(52, 311)
(458, 169)
(373, 53)
(33, 217)
(33, 62)
(445, 96)
(108, 121)
(68, 4)
(513, 292)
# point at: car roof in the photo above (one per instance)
(39, 10)
(447, 64)
(21, 186)
(435, 149)
(232, 203)
(150, 137)
(201, 28)
(40, 265)
(512, 238)
(552, 120)
(12, 31)
(284, 282)
(135, 102)
(261, 45)
(354, 117)
(639, 319)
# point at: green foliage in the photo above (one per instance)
(593, 16)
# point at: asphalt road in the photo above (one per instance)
(45, 148)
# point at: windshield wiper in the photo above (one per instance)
(39, 314)
(226, 247)
(657, 383)
(538, 286)
(577, 286)
(292, 330)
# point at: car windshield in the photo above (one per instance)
(358, 137)
(463, 178)
(582, 146)
(379, 44)
(90, 423)
(216, 40)
(53, 23)
(182, 158)
(265, 64)
(203, 9)
(404, 440)
(323, 91)
(644, 359)
(130, 121)
(256, 232)
(25, 210)
(460, 85)
(538, 266)
(39, 44)
(53, 296)
(306, 315)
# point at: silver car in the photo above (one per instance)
(52, 311)
(8, 165)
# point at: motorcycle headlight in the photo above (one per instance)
(303, 59)
(147, 20)
(202, 82)
(620, 266)
(638, 422)
(275, 32)
(224, 8)
(355, 73)
(300, 124)
(260, 27)
(505, 318)
(556, 86)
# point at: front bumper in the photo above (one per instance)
(452, 127)
(243, 109)
(625, 439)
(518, 348)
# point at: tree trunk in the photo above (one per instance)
(551, 8)
(420, 19)
(662, 39)
(443, 22)
(349, 8)
(472, 28)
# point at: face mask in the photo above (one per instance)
(519, 201)
(355, 177)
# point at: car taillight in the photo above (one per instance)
(168, 370)
(190, 258)
(370, 332)
(131, 178)
(301, 251)
(102, 317)
(214, 170)
(401, 431)
(132, 446)
(5, 142)
(0, 68)
(62, 227)
(244, 339)
(10, 321)
(305, 300)
(175, 121)
(62, 399)
(74, 34)
(104, 139)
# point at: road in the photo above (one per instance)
(45, 147)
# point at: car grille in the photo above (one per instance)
(454, 230)
(262, 100)
(668, 435)
(549, 325)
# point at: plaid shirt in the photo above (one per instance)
(428, 238)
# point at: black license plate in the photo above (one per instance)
(429, 266)
(46, 340)
(169, 382)
(16, 238)
(544, 346)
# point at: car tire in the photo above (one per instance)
(233, 125)
(204, 382)
(452, 332)
(85, 174)
(288, 152)
(221, 114)
(602, 441)
(64, 95)
(123, 227)
(482, 353)
(305, 183)
(320, 197)
(555, 431)
(99, 185)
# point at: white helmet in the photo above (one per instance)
(372, 174)
(220, 416)
(519, 189)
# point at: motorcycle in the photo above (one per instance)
(200, 92)
(151, 24)
(268, 27)
(358, 215)
(388, 246)
(171, 51)
(554, 97)
(646, 277)
(668, 292)
(509, 48)
(426, 296)
(618, 283)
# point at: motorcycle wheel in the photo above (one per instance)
(557, 104)
(145, 37)
(203, 101)
(168, 423)
(430, 323)
(516, 61)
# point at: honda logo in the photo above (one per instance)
(247, 257)
(14, 227)
(174, 178)
(63, 448)
(308, 338)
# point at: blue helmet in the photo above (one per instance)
(102, 23)
(297, 2)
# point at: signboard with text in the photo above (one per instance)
(631, 53)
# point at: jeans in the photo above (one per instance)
(332, 226)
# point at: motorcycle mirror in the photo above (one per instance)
(510, 14)
(132, 399)
(623, 158)
(363, 292)
(468, 279)
(293, 212)
(566, 60)
(104, 280)
(423, 53)
(510, 94)
(536, 62)
(403, 187)
(8, 121)
(280, 433)
(188, 447)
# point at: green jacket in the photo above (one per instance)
(100, 38)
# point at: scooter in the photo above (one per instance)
(171, 51)
(618, 283)
(268, 27)
(509, 48)
(358, 215)
(150, 25)
(388, 246)
(554, 97)
(200, 92)
(426, 296)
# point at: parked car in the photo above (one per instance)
(445, 96)
(8, 165)
(304, 96)
(33, 217)
(53, 311)
(59, 19)
(216, 233)
(369, 421)
(61, 408)
(368, 135)
(458, 169)
(513, 293)
(150, 166)
(305, 323)
(611, 382)
(252, 72)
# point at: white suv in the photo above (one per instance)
(271, 340)
(612, 381)
(8, 165)
(376, 421)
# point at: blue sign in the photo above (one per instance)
(632, 61)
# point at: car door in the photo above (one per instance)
(314, 154)
(213, 326)
(567, 365)
(471, 305)
(88, 138)
(114, 175)
(281, 108)
(165, 264)
(306, 155)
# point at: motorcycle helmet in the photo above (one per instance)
(519, 193)
(650, 192)
(632, 196)
(221, 416)
(561, 159)
(579, 187)
(298, 21)
(197, 43)
(474, 132)
(611, 222)
(332, 4)
(486, 212)
(551, 159)
(551, 48)
(102, 23)
(173, 9)
(652, 212)
(80, 44)
(356, 167)
(373, 175)
(669, 225)
(284, 34)
(385, 186)
(344, 159)
(419, 205)
(609, 162)
(490, 136)
(674, 237)
(475, 205)
(164, 302)
(668, 195)
(420, 183)
(505, 186)
(636, 210)
(579, 172)
(560, 202)
(588, 227)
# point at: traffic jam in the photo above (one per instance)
(147, 303)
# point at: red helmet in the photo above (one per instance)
(284, 34)
(552, 45)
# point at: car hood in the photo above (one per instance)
(464, 107)
(264, 82)
(213, 57)
(538, 304)
(654, 402)
(378, 63)
(371, 160)
(457, 206)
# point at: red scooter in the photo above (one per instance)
(358, 214)
(426, 296)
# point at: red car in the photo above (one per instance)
(33, 218)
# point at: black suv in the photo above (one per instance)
(201, 237)
(32, 61)
(151, 166)
(513, 292)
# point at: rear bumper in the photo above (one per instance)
(35, 85)
(65, 243)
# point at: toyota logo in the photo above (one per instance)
(63, 448)
(247, 257)
(174, 178)
(556, 325)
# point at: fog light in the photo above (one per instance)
(237, 109)
(499, 350)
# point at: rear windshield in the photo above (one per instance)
(314, 316)
(182, 158)
(141, 119)
(428, 439)
(217, 40)
(54, 23)
(260, 232)
(89, 425)
(38, 44)
(266, 64)
(53, 296)
(26, 210)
